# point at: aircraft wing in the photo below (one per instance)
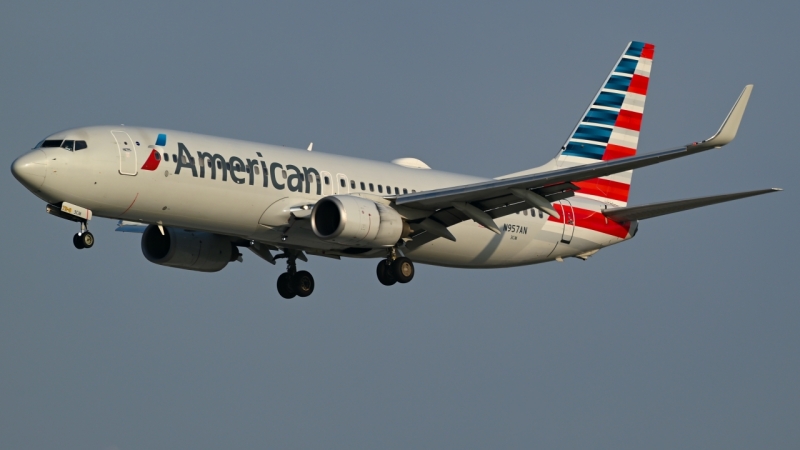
(629, 213)
(496, 198)
(546, 184)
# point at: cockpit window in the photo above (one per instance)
(69, 144)
(52, 143)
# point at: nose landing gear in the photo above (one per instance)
(293, 283)
(83, 239)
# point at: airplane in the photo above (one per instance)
(198, 200)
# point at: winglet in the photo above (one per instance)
(730, 126)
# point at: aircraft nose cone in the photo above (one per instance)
(30, 168)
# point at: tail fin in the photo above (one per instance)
(610, 127)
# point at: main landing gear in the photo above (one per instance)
(395, 269)
(83, 239)
(293, 283)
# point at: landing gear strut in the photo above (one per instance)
(293, 283)
(83, 239)
(395, 269)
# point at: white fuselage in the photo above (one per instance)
(122, 180)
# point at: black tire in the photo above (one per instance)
(303, 283)
(385, 273)
(77, 242)
(87, 239)
(403, 269)
(285, 286)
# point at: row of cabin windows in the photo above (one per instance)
(533, 213)
(66, 144)
(372, 186)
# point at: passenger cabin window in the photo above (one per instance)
(352, 184)
(541, 214)
(388, 189)
(405, 191)
(397, 191)
(157, 156)
(380, 189)
(174, 158)
(184, 160)
(219, 164)
(166, 156)
(371, 187)
(525, 212)
(283, 174)
(341, 181)
(327, 180)
(255, 170)
(362, 186)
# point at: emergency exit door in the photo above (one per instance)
(127, 153)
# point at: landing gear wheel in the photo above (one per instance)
(87, 239)
(403, 269)
(285, 286)
(302, 283)
(385, 273)
(78, 242)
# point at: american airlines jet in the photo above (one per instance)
(197, 200)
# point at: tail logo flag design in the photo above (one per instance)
(154, 158)
(610, 127)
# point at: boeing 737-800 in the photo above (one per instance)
(199, 199)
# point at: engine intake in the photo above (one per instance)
(190, 250)
(356, 221)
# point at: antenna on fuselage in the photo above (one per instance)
(310, 146)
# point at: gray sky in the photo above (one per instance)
(685, 337)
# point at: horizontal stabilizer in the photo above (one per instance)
(659, 209)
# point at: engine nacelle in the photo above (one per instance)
(190, 250)
(356, 221)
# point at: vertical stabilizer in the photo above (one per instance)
(610, 126)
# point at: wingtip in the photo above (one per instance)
(730, 126)
(776, 189)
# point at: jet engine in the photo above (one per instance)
(190, 250)
(356, 221)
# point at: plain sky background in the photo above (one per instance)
(685, 337)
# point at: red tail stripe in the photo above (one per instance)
(639, 84)
(595, 221)
(629, 119)
(617, 151)
(604, 188)
(648, 50)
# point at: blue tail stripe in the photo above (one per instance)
(592, 133)
(162, 140)
(585, 150)
(618, 83)
(610, 100)
(601, 116)
(635, 49)
(626, 65)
